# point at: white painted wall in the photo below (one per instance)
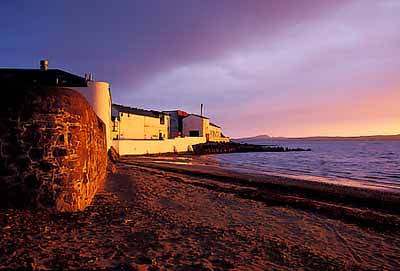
(195, 123)
(99, 97)
(215, 131)
(210, 132)
(139, 147)
(215, 134)
(220, 139)
(133, 126)
(206, 127)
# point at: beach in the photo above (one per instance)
(152, 215)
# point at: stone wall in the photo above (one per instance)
(53, 151)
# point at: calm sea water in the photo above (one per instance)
(377, 162)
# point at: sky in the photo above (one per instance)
(279, 67)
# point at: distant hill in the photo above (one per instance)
(254, 138)
(319, 138)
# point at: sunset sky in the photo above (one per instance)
(283, 68)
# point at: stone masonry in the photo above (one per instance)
(52, 149)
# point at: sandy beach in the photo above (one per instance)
(175, 216)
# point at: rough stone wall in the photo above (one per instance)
(53, 151)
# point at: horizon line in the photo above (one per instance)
(337, 136)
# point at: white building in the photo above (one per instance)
(135, 123)
(200, 126)
(215, 131)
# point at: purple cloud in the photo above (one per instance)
(278, 67)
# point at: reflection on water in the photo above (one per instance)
(377, 162)
(173, 162)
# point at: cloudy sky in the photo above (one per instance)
(278, 67)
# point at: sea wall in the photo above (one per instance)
(53, 151)
(99, 97)
(139, 147)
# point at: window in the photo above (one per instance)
(162, 119)
(194, 133)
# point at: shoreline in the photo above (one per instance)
(149, 216)
(198, 160)
(200, 164)
(189, 158)
(361, 205)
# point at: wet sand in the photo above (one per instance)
(152, 216)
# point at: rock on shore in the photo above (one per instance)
(229, 147)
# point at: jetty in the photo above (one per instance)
(231, 147)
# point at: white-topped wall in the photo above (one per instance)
(99, 97)
(140, 147)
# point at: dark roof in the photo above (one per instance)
(197, 116)
(215, 125)
(178, 112)
(52, 77)
(138, 111)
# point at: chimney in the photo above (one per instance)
(90, 77)
(201, 109)
(44, 65)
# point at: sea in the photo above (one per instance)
(367, 163)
